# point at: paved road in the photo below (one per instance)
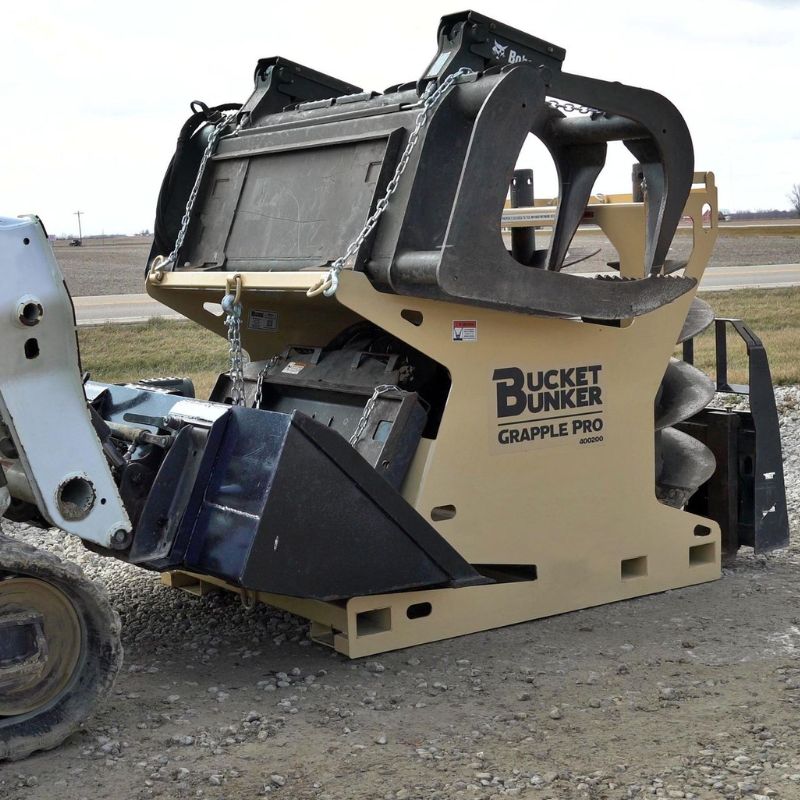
(119, 308)
(140, 307)
(768, 276)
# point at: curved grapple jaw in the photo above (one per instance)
(292, 188)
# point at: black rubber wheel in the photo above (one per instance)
(81, 634)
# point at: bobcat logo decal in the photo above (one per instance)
(499, 50)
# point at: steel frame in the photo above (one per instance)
(561, 530)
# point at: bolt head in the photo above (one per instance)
(120, 538)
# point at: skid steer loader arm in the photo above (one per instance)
(49, 449)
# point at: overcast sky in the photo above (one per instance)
(94, 93)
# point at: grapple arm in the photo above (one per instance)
(649, 125)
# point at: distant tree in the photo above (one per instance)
(794, 198)
(762, 213)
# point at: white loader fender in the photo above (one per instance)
(42, 401)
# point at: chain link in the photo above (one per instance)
(570, 107)
(261, 376)
(328, 285)
(429, 100)
(230, 302)
(233, 322)
(161, 264)
(368, 408)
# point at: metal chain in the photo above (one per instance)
(570, 107)
(233, 320)
(261, 376)
(368, 408)
(430, 98)
(161, 264)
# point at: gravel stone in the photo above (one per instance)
(218, 702)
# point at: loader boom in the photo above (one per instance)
(41, 393)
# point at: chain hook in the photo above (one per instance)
(324, 285)
(157, 269)
(234, 286)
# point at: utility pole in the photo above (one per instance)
(80, 231)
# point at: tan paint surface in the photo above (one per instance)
(574, 511)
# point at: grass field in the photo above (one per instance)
(773, 315)
(116, 353)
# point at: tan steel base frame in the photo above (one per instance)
(365, 626)
(581, 516)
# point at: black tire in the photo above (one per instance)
(98, 664)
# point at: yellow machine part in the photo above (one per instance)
(563, 517)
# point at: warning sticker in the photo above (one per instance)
(294, 367)
(465, 330)
(262, 320)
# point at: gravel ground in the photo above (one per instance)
(117, 266)
(693, 693)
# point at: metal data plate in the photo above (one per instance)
(41, 395)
